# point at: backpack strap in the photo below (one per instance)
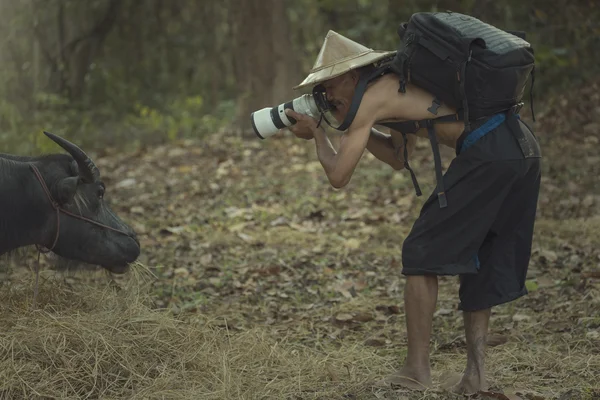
(531, 92)
(359, 91)
(407, 166)
(462, 77)
(413, 126)
(408, 127)
(441, 194)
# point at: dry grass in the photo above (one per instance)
(105, 341)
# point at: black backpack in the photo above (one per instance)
(472, 66)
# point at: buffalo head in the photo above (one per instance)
(88, 230)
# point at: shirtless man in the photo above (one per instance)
(483, 235)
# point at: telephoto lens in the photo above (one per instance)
(268, 121)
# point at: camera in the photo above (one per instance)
(270, 120)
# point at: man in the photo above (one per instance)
(484, 233)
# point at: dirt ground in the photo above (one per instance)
(297, 285)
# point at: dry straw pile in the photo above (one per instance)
(101, 343)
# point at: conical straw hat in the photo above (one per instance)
(339, 55)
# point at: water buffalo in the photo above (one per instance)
(57, 202)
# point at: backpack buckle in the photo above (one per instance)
(515, 109)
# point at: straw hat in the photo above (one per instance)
(339, 55)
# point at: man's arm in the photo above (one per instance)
(383, 148)
(339, 166)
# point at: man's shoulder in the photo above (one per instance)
(381, 91)
(385, 84)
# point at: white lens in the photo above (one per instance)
(262, 123)
(270, 120)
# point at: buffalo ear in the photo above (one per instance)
(66, 189)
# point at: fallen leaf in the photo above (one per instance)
(588, 201)
(125, 183)
(279, 221)
(271, 270)
(374, 343)
(572, 394)
(545, 282)
(184, 169)
(352, 244)
(175, 230)
(531, 285)
(356, 214)
(591, 274)
(492, 395)
(318, 215)
(233, 212)
(347, 293)
(592, 335)
(363, 317)
(245, 238)
(559, 326)
(353, 286)
(521, 318)
(344, 317)
(548, 256)
(496, 340)
(388, 309)
(458, 342)
(181, 271)
(237, 227)
(443, 311)
(205, 259)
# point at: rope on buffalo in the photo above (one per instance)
(58, 210)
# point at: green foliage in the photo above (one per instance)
(531, 285)
(167, 70)
(182, 118)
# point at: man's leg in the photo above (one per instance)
(476, 328)
(420, 298)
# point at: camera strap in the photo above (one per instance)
(359, 92)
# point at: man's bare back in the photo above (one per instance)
(412, 105)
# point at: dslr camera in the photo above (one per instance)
(270, 120)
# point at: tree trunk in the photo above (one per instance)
(263, 57)
(70, 55)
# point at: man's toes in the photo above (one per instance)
(400, 380)
(448, 380)
(460, 384)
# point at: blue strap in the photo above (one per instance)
(480, 132)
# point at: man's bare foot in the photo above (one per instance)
(408, 378)
(468, 384)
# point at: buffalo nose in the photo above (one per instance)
(134, 236)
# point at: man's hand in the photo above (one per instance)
(304, 127)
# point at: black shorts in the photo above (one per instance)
(484, 235)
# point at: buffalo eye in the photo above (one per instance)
(101, 192)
